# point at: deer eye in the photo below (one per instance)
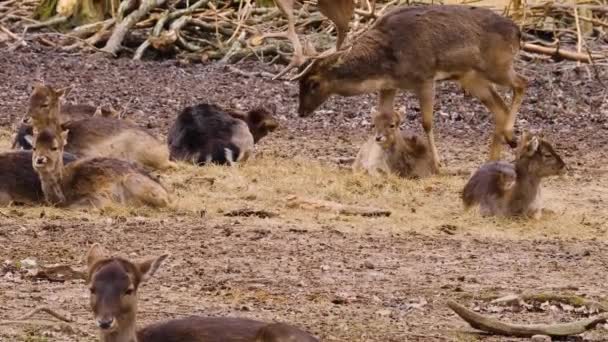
(128, 292)
(54, 148)
(393, 126)
(92, 289)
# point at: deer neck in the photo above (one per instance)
(527, 187)
(51, 183)
(362, 69)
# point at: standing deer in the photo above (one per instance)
(411, 48)
(506, 189)
(114, 283)
(339, 12)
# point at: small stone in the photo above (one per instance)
(324, 268)
(368, 265)
(28, 263)
(541, 338)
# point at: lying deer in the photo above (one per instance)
(23, 138)
(96, 136)
(411, 48)
(91, 182)
(114, 283)
(505, 189)
(207, 133)
(19, 182)
(392, 151)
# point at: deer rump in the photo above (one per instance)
(19, 182)
(206, 133)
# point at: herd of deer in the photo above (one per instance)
(82, 156)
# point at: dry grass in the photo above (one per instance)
(429, 206)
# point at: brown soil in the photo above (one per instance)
(344, 278)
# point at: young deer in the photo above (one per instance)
(504, 189)
(91, 182)
(207, 133)
(411, 48)
(19, 183)
(24, 137)
(98, 136)
(114, 283)
(390, 150)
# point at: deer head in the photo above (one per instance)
(44, 106)
(537, 156)
(113, 283)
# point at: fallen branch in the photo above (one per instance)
(343, 209)
(51, 22)
(557, 52)
(45, 310)
(120, 31)
(497, 327)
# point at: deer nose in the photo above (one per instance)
(105, 323)
(379, 138)
(40, 160)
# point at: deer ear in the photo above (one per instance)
(29, 139)
(95, 254)
(532, 145)
(149, 267)
(64, 136)
(63, 92)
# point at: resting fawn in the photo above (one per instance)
(98, 136)
(91, 182)
(411, 47)
(114, 283)
(505, 189)
(390, 150)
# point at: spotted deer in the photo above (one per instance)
(114, 283)
(392, 151)
(505, 189)
(97, 136)
(411, 48)
(91, 182)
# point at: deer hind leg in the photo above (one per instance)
(426, 97)
(141, 189)
(483, 89)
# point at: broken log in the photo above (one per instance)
(556, 51)
(342, 209)
(494, 326)
(120, 31)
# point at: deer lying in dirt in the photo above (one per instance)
(411, 48)
(96, 136)
(392, 151)
(24, 136)
(206, 133)
(19, 182)
(91, 182)
(114, 283)
(504, 189)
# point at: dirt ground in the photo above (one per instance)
(343, 278)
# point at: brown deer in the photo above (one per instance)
(91, 182)
(505, 189)
(392, 151)
(339, 12)
(411, 48)
(97, 136)
(19, 182)
(114, 283)
(23, 137)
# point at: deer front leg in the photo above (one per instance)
(386, 101)
(426, 97)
